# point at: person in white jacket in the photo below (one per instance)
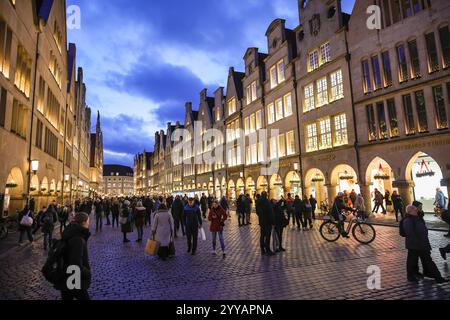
(163, 230)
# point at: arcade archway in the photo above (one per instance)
(261, 185)
(427, 175)
(293, 184)
(276, 187)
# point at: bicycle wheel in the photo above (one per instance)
(364, 233)
(330, 231)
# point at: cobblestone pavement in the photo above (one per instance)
(310, 269)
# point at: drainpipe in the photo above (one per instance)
(356, 144)
(30, 144)
(300, 165)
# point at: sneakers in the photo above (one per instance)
(443, 253)
(223, 254)
(213, 252)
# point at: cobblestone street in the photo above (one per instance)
(310, 269)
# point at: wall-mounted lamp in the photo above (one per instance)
(34, 166)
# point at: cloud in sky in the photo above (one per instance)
(144, 59)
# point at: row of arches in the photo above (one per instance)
(43, 191)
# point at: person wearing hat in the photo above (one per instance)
(336, 212)
(418, 246)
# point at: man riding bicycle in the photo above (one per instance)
(336, 212)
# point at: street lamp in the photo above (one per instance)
(66, 177)
(34, 166)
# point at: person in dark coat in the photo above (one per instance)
(307, 213)
(115, 210)
(148, 204)
(224, 205)
(98, 215)
(298, 212)
(248, 208)
(23, 228)
(204, 205)
(336, 212)
(76, 236)
(264, 210)
(126, 219)
(418, 246)
(193, 222)
(280, 223)
(217, 216)
(210, 202)
(313, 203)
(37, 224)
(63, 216)
(290, 210)
(177, 213)
(47, 222)
(352, 196)
(397, 203)
(240, 210)
(139, 216)
(107, 210)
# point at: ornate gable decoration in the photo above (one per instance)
(314, 24)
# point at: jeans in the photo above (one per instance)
(430, 269)
(98, 222)
(108, 221)
(115, 218)
(26, 230)
(147, 218)
(140, 232)
(247, 216)
(179, 223)
(306, 219)
(278, 238)
(222, 242)
(377, 207)
(264, 240)
(289, 214)
(298, 219)
(62, 226)
(241, 218)
(396, 211)
(48, 237)
(192, 238)
(69, 295)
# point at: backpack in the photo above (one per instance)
(53, 269)
(401, 228)
(47, 219)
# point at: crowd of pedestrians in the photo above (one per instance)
(182, 216)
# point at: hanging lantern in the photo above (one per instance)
(380, 175)
(346, 176)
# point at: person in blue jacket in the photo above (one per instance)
(193, 222)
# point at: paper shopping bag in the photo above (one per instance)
(152, 247)
(202, 234)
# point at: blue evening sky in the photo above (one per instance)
(144, 59)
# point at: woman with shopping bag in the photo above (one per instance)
(163, 232)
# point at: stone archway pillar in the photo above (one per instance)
(445, 183)
(405, 189)
(331, 190)
(365, 191)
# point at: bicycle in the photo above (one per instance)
(362, 231)
(7, 226)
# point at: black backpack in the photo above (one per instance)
(53, 269)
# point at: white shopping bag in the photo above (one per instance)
(202, 234)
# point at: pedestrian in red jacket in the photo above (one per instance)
(217, 215)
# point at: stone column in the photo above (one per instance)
(331, 190)
(445, 183)
(365, 191)
(405, 189)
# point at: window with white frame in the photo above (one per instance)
(252, 123)
(254, 153)
(277, 74)
(311, 137)
(309, 98)
(313, 60)
(287, 105)
(271, 113)
(254, 91)
(247, 125)
(218, 114)
(273, 147)
(261, 156)
(258, 119)
(281, 146)
(337, 86)
(279, 109)
(325, 55)
(251, 92)
(322, 92)
(325, 134)
(231, 106)
(290, 143)
(340, 130)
